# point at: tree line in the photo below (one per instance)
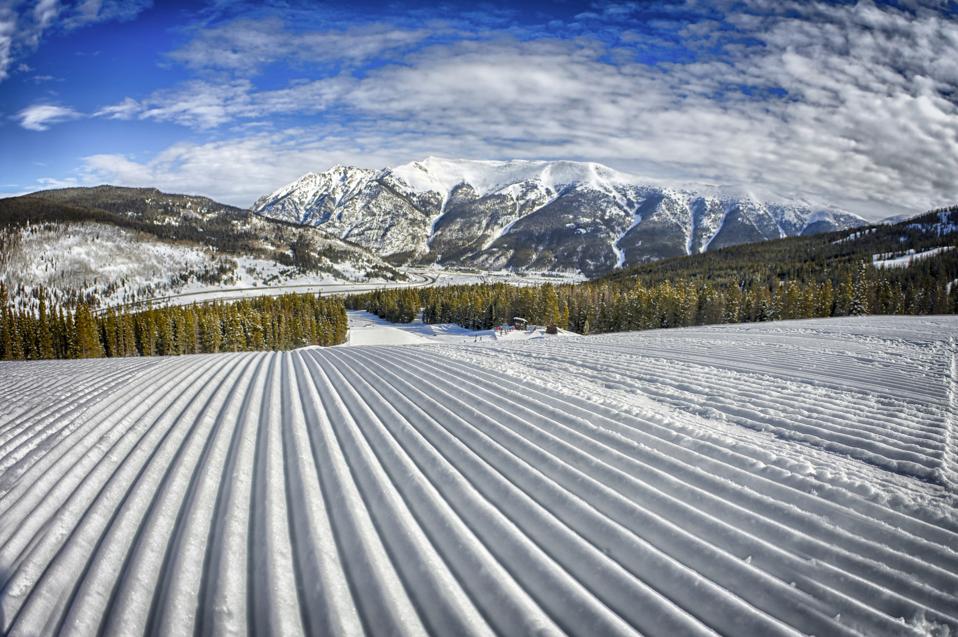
(802, 277)
(260, 323)
(626, 304)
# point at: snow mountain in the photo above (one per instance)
(540, 215)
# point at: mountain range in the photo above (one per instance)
(535, 215)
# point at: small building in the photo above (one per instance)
(519, 323)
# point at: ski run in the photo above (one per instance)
(765, 479)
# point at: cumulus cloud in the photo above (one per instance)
(40, 117)
(238, 171)
(851, 104)
(247, 44)
(203, 104)
(24, 24)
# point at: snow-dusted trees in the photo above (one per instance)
(638, 303)
(861, 295)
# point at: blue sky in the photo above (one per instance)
(851, 104)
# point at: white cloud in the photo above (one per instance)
(96, 11)
(849, 105)
(44, 13)
(8, 26)
(127, 109)
(248, 44)
(202, 105)
(23, 24)
(40, 117)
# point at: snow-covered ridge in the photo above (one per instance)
(767, 479)
(522, 214)
(442, 175)
(561, 215)
(314, 189)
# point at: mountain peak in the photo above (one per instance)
(441, 175)
(533, 214)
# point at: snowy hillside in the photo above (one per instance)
(560, 215)
(118, 266)
(106, 261)
(764, 479)
(117, 245)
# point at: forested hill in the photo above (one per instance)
(169, 217)
(907, 268)
(109, 245)
(815, 258)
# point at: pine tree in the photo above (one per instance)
(549, 305)
(88, 343)
(44, 332)
(858, 305)
(165, 337)
(6, 324)
(826, 299)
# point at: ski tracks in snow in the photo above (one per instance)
(738, 480)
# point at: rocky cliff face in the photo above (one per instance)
(530, 214)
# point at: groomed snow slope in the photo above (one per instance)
(744, 480)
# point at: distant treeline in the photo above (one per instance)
(625, 303)
(263, 323)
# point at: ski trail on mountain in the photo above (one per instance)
(773, 479)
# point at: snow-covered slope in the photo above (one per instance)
(115, 266)
(941, 223)
(101, 260)
(315, 196)
(532, 214)
(895, 260)
(769, 479)
(117, 245)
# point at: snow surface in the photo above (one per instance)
(767, 479)
(905, 260)
(454, 276)
(368, 329)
